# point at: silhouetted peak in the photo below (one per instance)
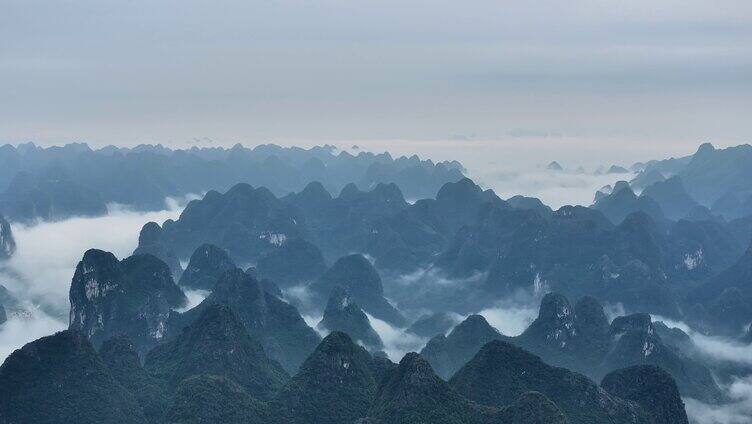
(217, 343)
(705, 148)
(336, 341)
(151, 233)
(236, 284)
(554, 166)
(616, 169)
(97, 260)
(240, 189)
(474, 325)
(353, 272)
(414, 370)
(497, 350)
(218, 319)
(462, 189)
(388, 192)
(208, 262)
(315, 192)
(622, 186)
(349, 191)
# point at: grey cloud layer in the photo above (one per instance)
(291, 70)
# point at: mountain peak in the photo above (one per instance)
(315, 192)
(134, 297)
(619, 186)
(295, 262)
(334, 385)
(413, 393)
(208, 262)
(555, 306)
(616, 169)
(349, 191)
(416, 369)
(554, 166)
(275, 324)
(358, 276)
(475, 324)
(501, 372)
(449, 353)
(705, 148)
(460, 189)
(217, 343)
(150, 233)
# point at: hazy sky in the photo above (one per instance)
(640, 75)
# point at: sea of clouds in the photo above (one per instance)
(739, 389)
(40, 273)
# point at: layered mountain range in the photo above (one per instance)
(75, 180)
(216, 372)
(296, 280)
(245, 355)
(619, 251)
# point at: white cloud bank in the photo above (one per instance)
(40, 272)
(738, 390)
(738, 411)
(19, 330)
(396, 341)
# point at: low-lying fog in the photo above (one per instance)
(517, 165)
(729, 353)
(40, 272)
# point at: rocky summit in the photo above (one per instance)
(206, 266)
(218, 344)
(134, 297)
(275, 324)
(358, 276)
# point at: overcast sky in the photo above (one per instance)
(649, 77)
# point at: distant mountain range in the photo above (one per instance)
(623, 250)
(717, 179)
(74, 180)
